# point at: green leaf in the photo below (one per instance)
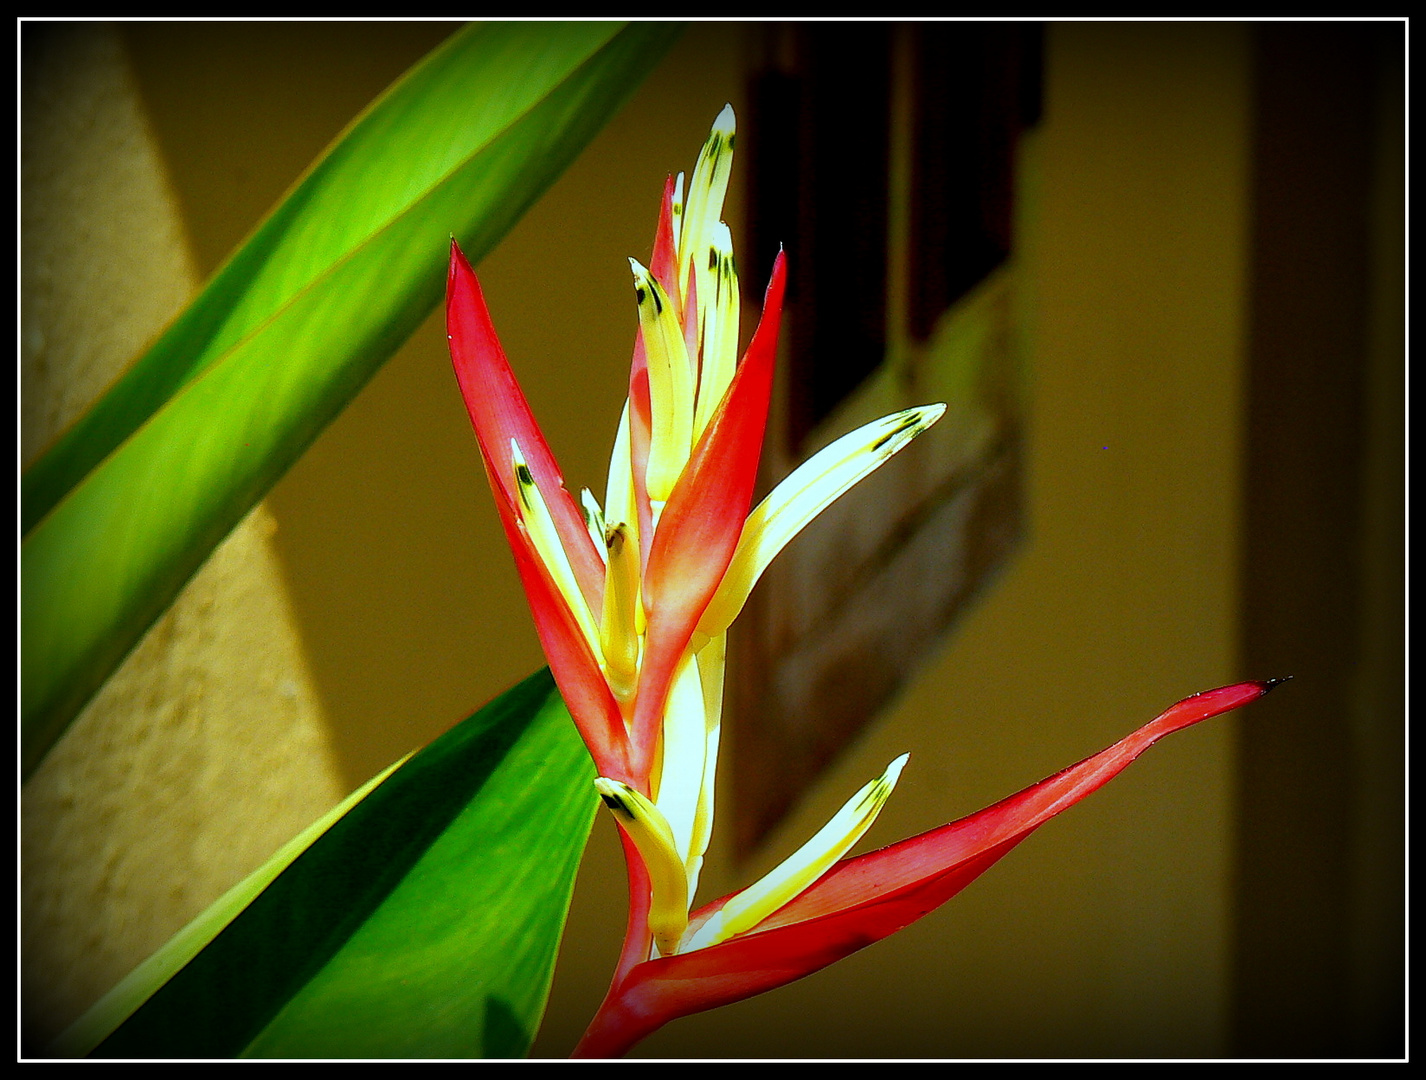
(139, 985)
(423, 923)
(128, 504)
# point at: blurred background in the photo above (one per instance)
(1208, 270)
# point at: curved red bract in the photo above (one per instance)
(862, 900)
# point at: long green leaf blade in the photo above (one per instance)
(279, 345)
(424, 923)
(426, 122)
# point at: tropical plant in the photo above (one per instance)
(421, 917)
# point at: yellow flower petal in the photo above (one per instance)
(540, 527)
(668, 913)
(755, 903)
(618, 634)
(671, 385)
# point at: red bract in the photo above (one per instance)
(862, 900)
(500, 413)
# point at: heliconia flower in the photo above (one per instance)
(632, 601)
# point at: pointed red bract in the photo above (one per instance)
(499, 412)
(640, 438)
(862, 900)
(663, 263)
(638, 938)
(581, 682)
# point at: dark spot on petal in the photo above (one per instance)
(908, 421)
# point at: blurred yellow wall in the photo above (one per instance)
(388, 607)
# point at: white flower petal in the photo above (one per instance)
(683, 747)
(809, 490)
